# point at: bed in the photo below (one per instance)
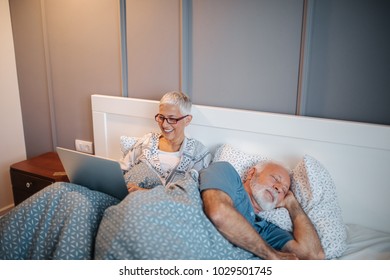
(338, 171)
(356, 155)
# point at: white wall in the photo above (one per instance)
(12, 146)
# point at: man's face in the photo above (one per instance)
(270, 186)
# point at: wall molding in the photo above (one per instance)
(185, 46)
(303, 78)
(304, 57)
(49, 80)
(123, 33)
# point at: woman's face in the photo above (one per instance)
(172, 132)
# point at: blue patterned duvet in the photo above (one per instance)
(59, 222)
(162, 223)
(66, 221)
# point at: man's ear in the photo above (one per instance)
(250, 173)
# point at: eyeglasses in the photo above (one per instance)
(160, 119)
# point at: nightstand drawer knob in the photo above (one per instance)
(28, 184)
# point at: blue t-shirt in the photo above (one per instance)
(223, 176)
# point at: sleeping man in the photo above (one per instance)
(232, 204)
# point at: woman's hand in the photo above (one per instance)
(131, 187)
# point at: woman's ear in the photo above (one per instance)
(188, 119)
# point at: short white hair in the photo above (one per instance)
(262, 164)
(178, 98)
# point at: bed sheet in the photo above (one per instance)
(366, 244)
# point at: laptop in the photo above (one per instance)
(96, 173)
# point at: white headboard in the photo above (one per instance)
(357, 155)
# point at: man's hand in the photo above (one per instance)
(306, 243)
(284, 256)
(288, 200)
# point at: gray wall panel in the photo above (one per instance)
(30, 60)
(232, 53)
(245, 54)
(65, 51)
(349, 62)
(153, 47)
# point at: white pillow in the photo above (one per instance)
(241, 161)
(314, 189)
(126, 143)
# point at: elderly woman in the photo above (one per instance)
(62, 220)
(161, 158)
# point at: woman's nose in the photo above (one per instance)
(165, 123)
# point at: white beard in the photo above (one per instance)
(261, 195)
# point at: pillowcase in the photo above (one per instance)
(241, 161)
(314, 189)
(126, 143)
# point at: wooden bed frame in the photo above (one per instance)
(357, 155)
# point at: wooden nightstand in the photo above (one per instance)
(32, 175)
